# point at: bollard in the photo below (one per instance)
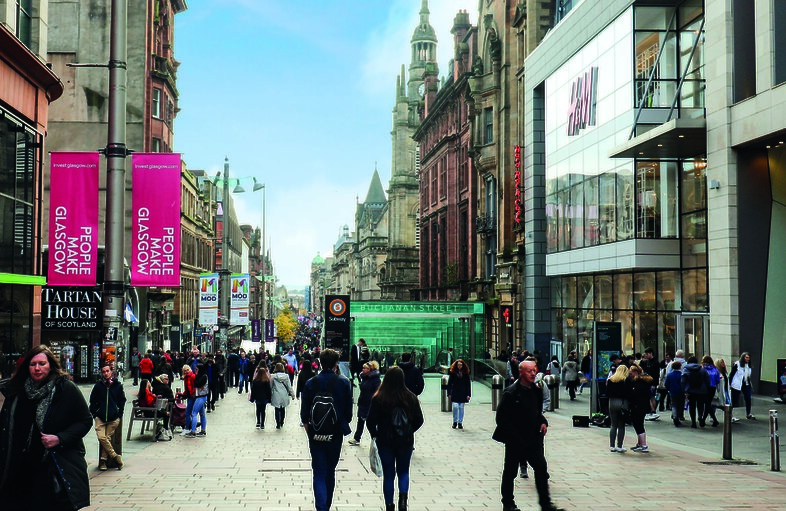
(775, 455)
(496, 391)
(445, 399)
(549, 382)
(727, 432)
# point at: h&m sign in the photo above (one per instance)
(583, 98)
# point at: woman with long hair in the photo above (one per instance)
(392, 406)
(282, 392)
(306, 373)
(189, 392)
(369, 383)
(618, 389)
(459, 390)
(201, 391)
(709, 406)
(44, 417)
(740, 379)
(261, 393)
(639, 399)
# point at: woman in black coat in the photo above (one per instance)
(43, 419)
(385, 426)
(369, 383)
(261, 393)
(459, 390)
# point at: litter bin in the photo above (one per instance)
(554, 390)
(497, 387)
(445, 399)
(548, 380)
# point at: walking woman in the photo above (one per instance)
(282, 392)
(261, 393)
(741, 384)
(393, 419)
(459, 390)
(43, 418)
(570, 375)
(201, 390)
(618, 389)
(189, 392)
(369, 383)
(710, 405)
(639, 399)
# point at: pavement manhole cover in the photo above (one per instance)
(730, 462)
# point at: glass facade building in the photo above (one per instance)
(626, 237)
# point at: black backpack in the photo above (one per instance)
(323, 422)
(400, 428)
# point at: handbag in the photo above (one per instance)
(373, 458)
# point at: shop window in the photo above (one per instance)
(694, 291)
(625, 206)
(569, 292)
(669, 290)
(607, 208)
(623, 291)
(576, 209)
(591, 213)
(585, 292)
(604, 292)
(644, 291)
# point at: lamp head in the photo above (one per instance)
(258, 186)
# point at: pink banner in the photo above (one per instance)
(73, 219)
(155, 230)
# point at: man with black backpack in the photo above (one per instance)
(326, 411)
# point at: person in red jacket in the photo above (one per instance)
(146, 367)
(189, 392)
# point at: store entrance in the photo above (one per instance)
(693, 334)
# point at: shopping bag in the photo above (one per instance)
(373, 458)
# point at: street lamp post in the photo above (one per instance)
(257, 187)
(223, 321)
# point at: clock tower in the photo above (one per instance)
(402, 262)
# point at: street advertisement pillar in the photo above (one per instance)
(337, 325)
(606, 341)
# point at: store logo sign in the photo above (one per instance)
(583, 97)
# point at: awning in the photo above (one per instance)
(677, 138)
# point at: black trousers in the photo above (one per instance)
(531, 453)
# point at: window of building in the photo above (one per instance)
(19, 164)
(463, 165)
(491, 227)
(779, 41)
(656, 199)
(155, 145)
(434, 177)
(443, 178)
(156, 104)
(488, 123)
(24, 21)
(743, 14)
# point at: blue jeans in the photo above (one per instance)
(241, 379)
(395, 462)
(199, 409)
(458, 412)
(324, 459)
(189, 409)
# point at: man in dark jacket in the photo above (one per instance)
(107, 401)
(521, 426)
(326, 449)
(413, 376)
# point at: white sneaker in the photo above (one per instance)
(735, 419)
(644, 448)
(184, 432)
(612, 449)
(621, 449)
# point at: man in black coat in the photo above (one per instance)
(413, 376)
(356, 359)
(107, 401)
(521, 426)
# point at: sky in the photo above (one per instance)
(298, 94)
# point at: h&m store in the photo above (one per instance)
(664, 196)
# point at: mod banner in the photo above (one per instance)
(73, 219)
(239, 297)
(155, 223)
(208, 291)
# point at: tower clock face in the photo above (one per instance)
(422, 89)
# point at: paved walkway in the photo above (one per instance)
(236, 467)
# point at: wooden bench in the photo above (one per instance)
(149, 416)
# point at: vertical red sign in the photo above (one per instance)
(73, 219)
(155, 200)
(517, 188)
